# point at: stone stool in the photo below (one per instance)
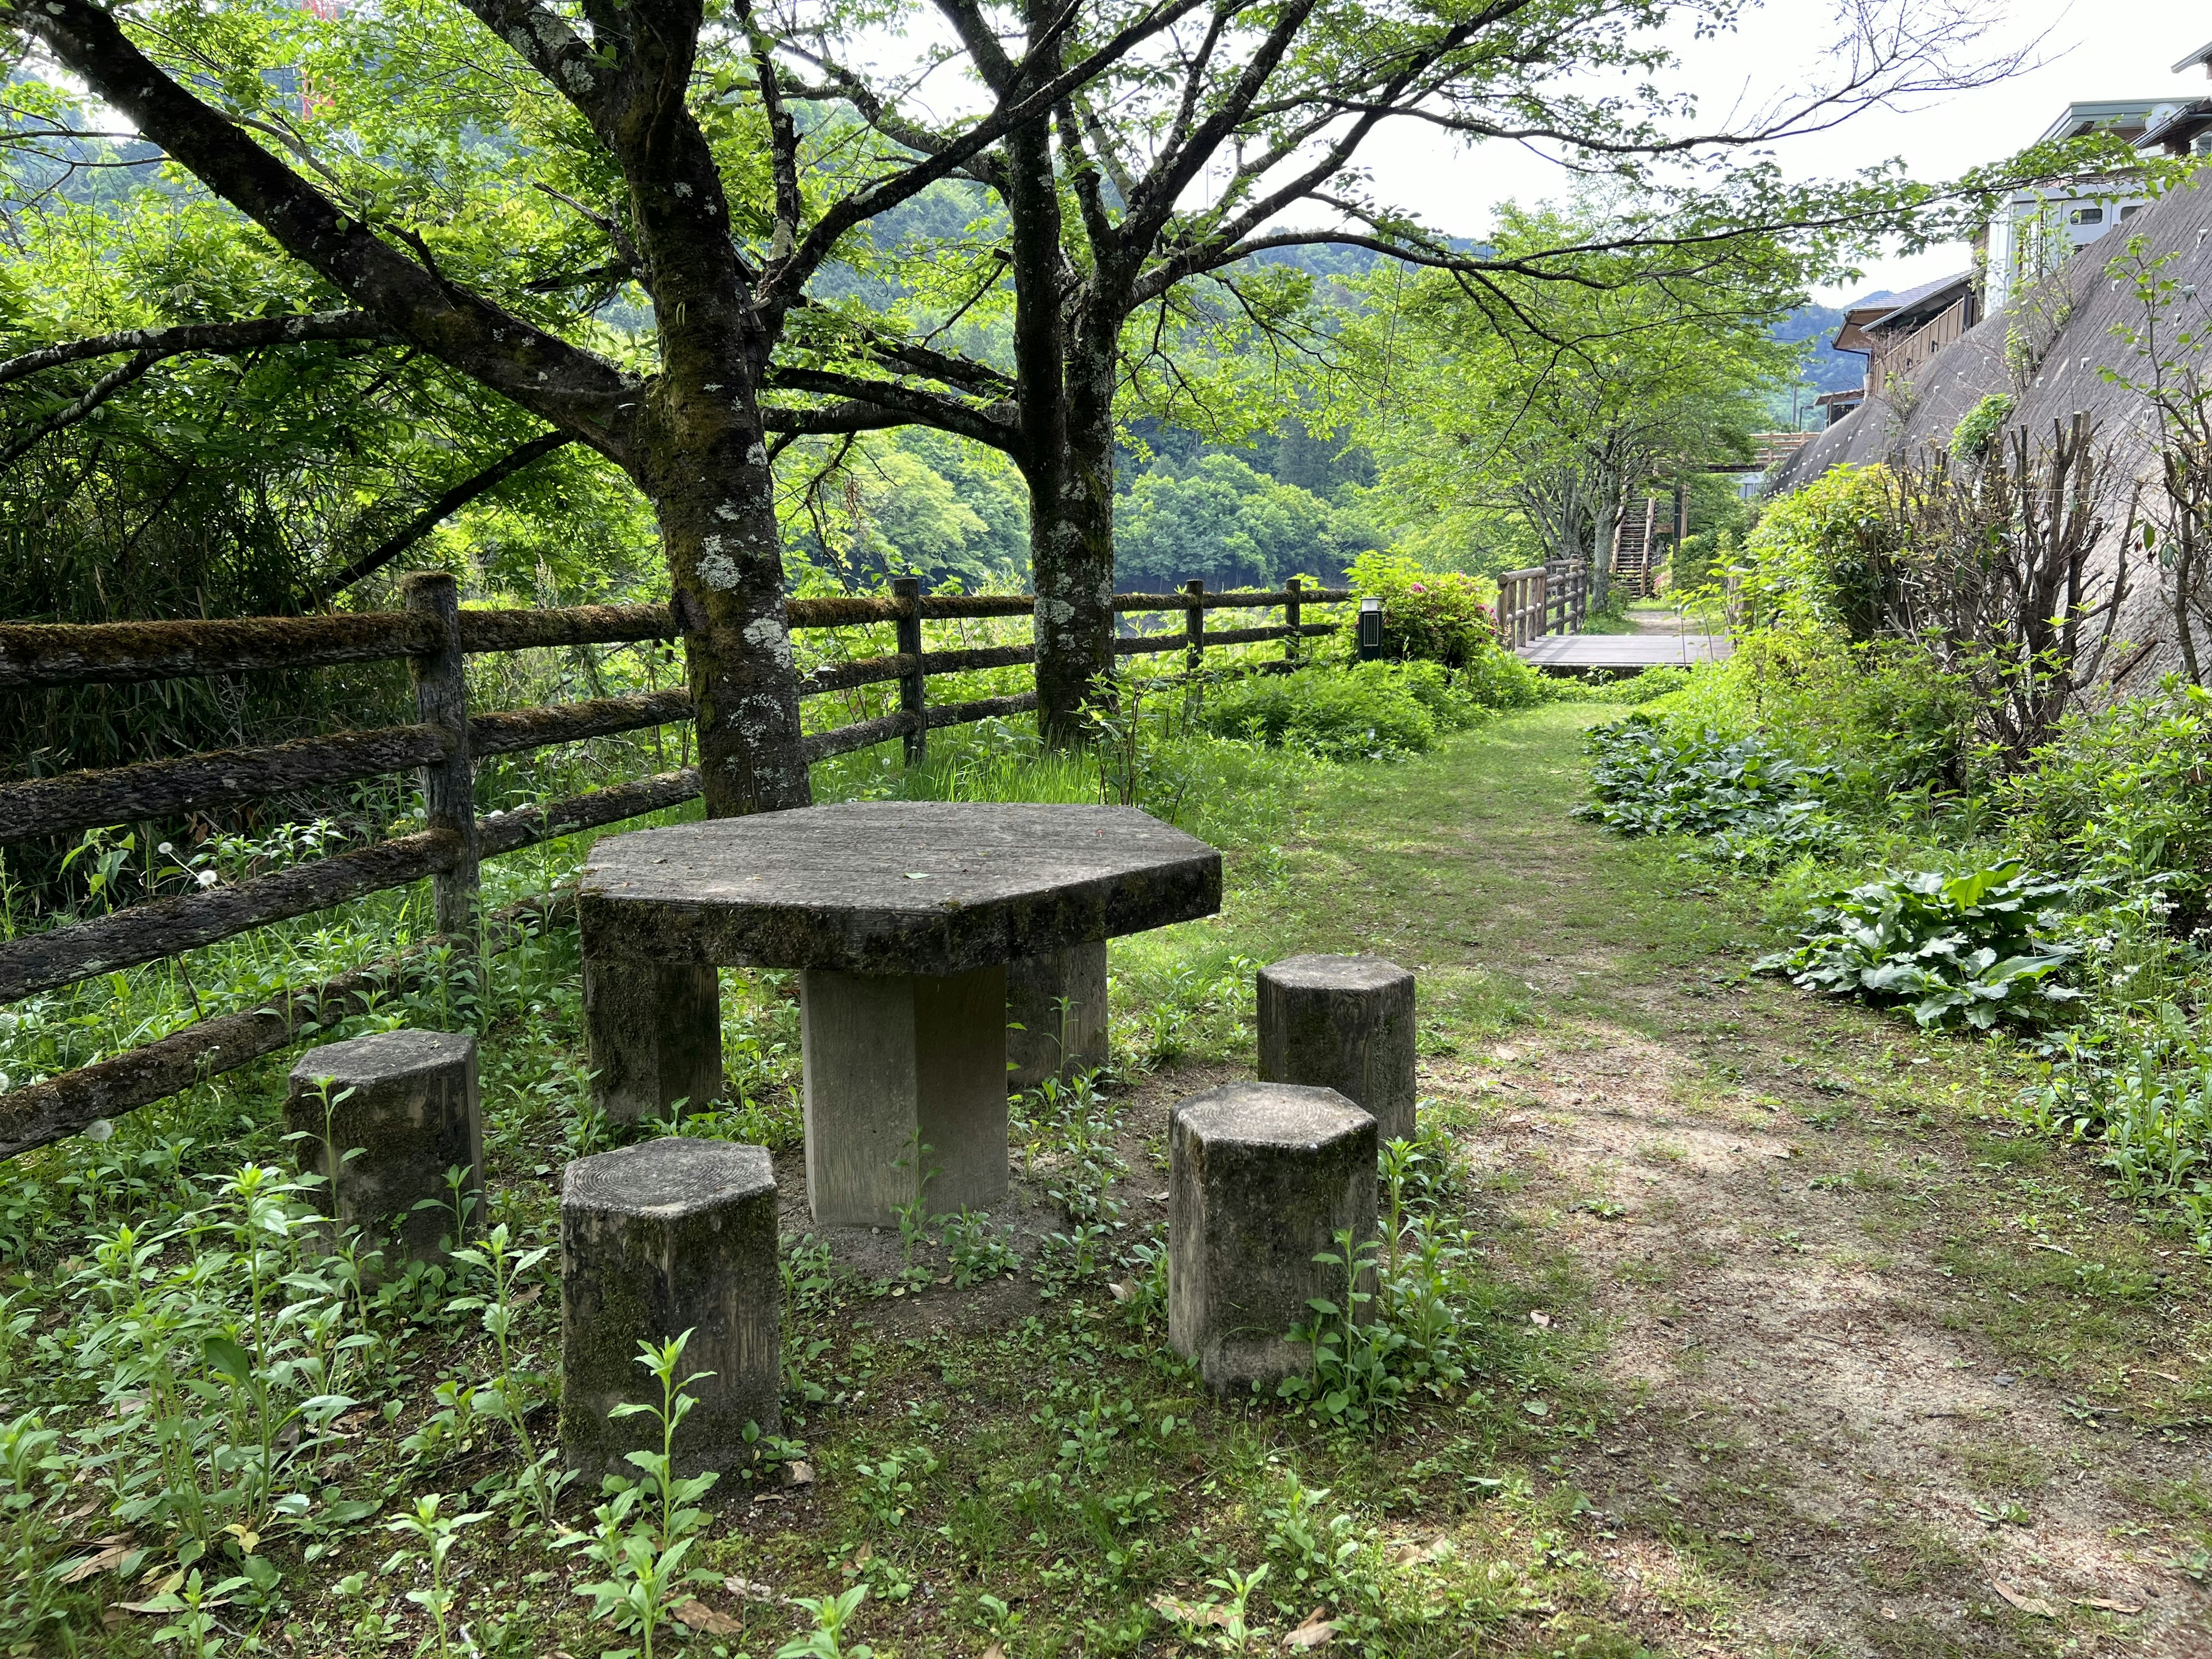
(657, 1239)
(1263, 1176)
(1342, 1022)
(1059, 1001)
(410, 1108)
(652, 1032)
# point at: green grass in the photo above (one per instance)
(1023, 1461)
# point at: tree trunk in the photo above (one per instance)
(1071, 545)
(704, 464)
(1600, 569)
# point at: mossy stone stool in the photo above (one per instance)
(405, 1104)
(1342, 1022)
(658, 1239)
(1056, 1015)
(1263, 1177)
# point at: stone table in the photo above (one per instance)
(903, 916)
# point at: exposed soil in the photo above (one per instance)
(1856, 1377)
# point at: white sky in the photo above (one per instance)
(2093, 49)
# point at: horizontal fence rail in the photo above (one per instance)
(434, 636)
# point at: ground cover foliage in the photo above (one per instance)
(222, 1437)
(986, 1442)
(1994, 837)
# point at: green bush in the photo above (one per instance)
(1753, 802)
(2121, 797)
(1373, 711)
(1880, 717)
(1430, 615)
(1979, 424)
(1647, 686)
(1821, 556)
(1496, 678)
(2142, 1094)
(1973, 946)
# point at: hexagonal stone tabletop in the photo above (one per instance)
(891, 887)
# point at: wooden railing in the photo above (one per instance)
(434, 637)
(1541, 599)
(1915, 349)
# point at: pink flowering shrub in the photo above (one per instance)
(1436, 615)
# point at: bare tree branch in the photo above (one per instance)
(438, 511)
(245, 335)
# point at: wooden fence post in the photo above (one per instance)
(1290, 616)
(1578, 587)
(441, 699)
(913, 684)
(1193, 628)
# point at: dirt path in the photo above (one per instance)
(1878, 1378)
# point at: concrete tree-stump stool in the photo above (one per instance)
(653, 1036)
(1342, 1022)
(902, 917)
(1058, 1000)
(1263, 1177)
(405, 1103)
(657, 1239)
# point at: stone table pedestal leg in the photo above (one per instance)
(1059, 1001)
(905, 1092)
(654, 1031)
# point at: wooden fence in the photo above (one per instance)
(434, 637)
(1542, 599)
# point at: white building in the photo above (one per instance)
(2037, 231)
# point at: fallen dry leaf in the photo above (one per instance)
(1121, 1290)
(1538, 1317)
(2103, 1604)
(695, 1614)
(1315, 1631)
(748, 1589)
(2035, 1606)
(994, 1651)
(106, 1559)
(800, 1473)
(1190, 1612)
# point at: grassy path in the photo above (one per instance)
(1862, 1372)
(1778, 1342)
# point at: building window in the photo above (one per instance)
(2131, 211)
(2088, 215)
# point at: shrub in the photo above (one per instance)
(1373, 711)
(1883, 718)
(2120, 797)
(1434, 616)
(1752, 800)
(1973, 946)
(1979, 424)
(1821, 554)
(1647, 686)
(1496, 678)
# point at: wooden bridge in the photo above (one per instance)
(1621, 653)
(1540, 612)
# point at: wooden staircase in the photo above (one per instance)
(1636, 548)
